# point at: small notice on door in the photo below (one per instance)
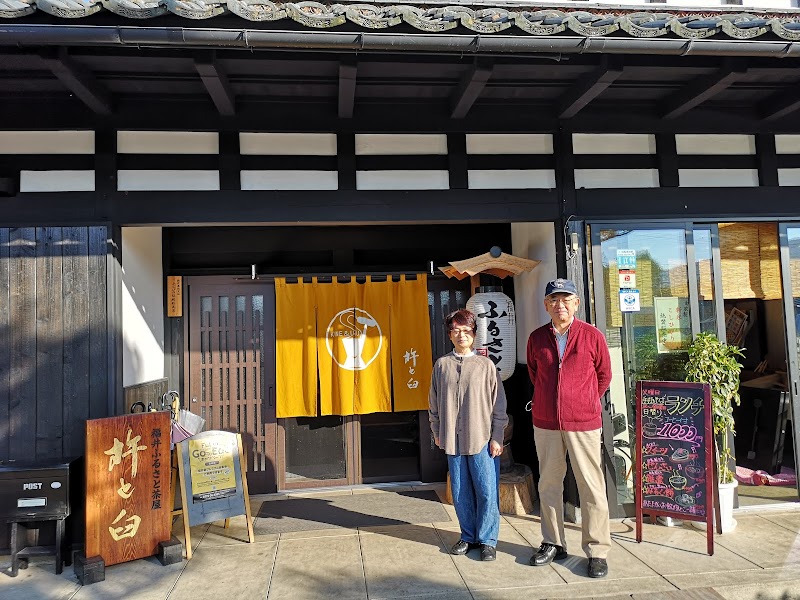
(629, 301)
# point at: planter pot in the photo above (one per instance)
(726, 492)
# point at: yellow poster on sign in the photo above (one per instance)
(412, 358)
(296, 349)
(211, 466)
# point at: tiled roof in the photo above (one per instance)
(483, 19)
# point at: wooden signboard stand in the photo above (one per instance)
(676, 473)
(127, 492)
(211, 469)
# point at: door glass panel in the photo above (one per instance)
(315, 448)
(390, 447)
(648, 343)
(705, 280)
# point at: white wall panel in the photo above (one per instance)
(789, 177)
(402, 180)
(617, 178)
(167, 142)
(46, 142)
(536, 241)
(503, 143)
(511, 179)
(142, 305)
(787, 144)
(56, 181)
(135, 181)
(718, 177)
(288, 144)
(290, 180)
(400, 143)
(728, 144)
(613, 143)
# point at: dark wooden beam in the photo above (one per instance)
(718, 203)
(667, 160)
(767, 159)
(780, 104)
(78, 80)
(469, 88)
(589, 88)
(342, 207)
(702, 89)
(348, 71)
(216, 83)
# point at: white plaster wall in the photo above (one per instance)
(142, 305)
(536, 241)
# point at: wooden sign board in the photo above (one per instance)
(127, 486)
(211, 468)
(174, 296)
(675, 474)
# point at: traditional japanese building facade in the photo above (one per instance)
(233, 143)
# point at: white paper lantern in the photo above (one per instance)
(497, 328)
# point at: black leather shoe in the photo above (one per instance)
(488, 552)
(598, 567)
(546, 554)
(462, 547)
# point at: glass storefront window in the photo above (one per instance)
(647, 340)
(705, 280)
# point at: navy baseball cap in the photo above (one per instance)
(560, 286)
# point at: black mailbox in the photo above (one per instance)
(34, 491)
(32, 495)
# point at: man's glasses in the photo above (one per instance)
(457, 332)
(564, 301)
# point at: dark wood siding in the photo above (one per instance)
(53, 341)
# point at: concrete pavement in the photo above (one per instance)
(760, 560)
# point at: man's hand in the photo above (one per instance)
(436, 441)
(495, 449)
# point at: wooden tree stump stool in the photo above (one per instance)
(517, 492)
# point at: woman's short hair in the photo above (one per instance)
(461, 317)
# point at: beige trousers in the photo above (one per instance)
(584, 452)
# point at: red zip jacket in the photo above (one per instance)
(566, 393)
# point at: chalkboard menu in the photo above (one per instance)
(674, 448)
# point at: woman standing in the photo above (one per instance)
(468, 417)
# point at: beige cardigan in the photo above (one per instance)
(467, 404)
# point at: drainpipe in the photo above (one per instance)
(253, 39)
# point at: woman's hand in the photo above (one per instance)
(495, 449)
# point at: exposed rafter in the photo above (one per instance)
(779, 105)
(216, 83)
(469, 88)
(348, 71)
(589, 88)
(702, 89)
(78, 80)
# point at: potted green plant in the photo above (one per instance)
(716, 363)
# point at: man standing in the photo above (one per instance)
(570, 367)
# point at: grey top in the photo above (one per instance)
(467, 404)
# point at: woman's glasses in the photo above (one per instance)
(458, 332)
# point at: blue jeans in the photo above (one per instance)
(474, 482)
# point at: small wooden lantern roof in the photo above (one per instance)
(495, 262)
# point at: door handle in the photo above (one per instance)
(271, 396)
